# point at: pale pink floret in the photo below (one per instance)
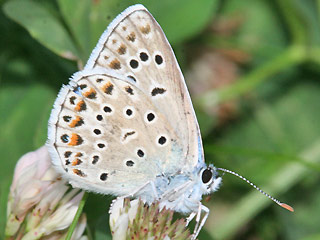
(41, 199)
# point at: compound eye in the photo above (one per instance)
(206, 175)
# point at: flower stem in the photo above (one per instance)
(77, 216)
(292, 56)
(294, 21)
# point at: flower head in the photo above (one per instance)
(136, 220)
(40, 203)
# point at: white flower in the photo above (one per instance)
(135, 220)
(40, 199)
(120, 217)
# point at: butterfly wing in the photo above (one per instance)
(105, 134)
(134, 45)
(127, 117)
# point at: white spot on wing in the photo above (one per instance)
(146, 117)
(106, 109)
(138, 68)
(158, 139)
(142, 50)
(125, 112)
(163, 64)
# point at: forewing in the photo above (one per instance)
(135, 46)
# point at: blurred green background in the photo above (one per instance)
(252, 68)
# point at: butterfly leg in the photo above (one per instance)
(144, 186)
(200, 224)
(121, 198)
(198, 217)
(190, 217)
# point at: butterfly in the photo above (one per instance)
(125, 124)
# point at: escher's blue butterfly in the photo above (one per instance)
(125, 125)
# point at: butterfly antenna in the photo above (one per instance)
(286, 206)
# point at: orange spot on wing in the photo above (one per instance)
(90, 94)
(107, 88)
(79, 154)
(115, 64)
(80, 106)
(75, 140)
(76, 162)
(146, 29)
(76, 122)
(122, 49)
(131, 37)
(79, 172)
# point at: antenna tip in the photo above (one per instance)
(286, 206)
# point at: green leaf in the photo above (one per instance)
(309, 16)
(304, 224)
(23, 129)
(42, 26)
(98, 217)
(259, 32)
(87, 20)
(77, 16)
(276, 147)
(103, 12)
(182, 19)
(4, 192)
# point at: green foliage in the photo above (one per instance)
(272, 140)
(43, 26)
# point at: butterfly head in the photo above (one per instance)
(210, 179)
